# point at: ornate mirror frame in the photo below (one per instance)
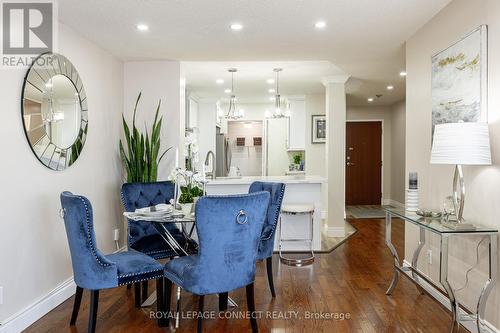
(44, 68)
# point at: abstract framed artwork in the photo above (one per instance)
(318, 129)
(459, 80)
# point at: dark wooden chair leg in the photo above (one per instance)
(76, 305)
(144, 291)
(200, 310)
(137, 294)
(159, 301)
(223, 299)
(269, 268)
(167, 289)
(251, 307)
(94, 302)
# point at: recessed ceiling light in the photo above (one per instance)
(236, 26)
(219, 81)
(227, 91)
(402, 73)
(272, 90)
(320, 24)
(390, 87)
(142, 27)
(370, 99)
(270, 81)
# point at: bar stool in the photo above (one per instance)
(297, 209)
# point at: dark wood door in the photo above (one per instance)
(364, 163)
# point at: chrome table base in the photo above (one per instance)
(417, 278)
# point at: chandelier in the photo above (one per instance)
(281, 105)
(232, 113)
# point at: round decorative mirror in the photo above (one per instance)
(55, 111)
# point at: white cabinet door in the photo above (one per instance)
(297, 125)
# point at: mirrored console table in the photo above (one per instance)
(439, 227)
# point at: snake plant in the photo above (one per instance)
(142, 157)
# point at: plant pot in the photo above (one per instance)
(186, 208)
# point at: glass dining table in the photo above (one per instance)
(187, 226)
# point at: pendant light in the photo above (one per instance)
(281, 106)
(232, 113)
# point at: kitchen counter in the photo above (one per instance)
(299, 190)
(298, 179)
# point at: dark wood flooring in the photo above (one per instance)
(351, 281)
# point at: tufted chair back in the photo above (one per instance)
(140, 195)
(92, 270)
(277, 191)
(228, 249)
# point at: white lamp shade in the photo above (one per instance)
(461, 143)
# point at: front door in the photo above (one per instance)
(364, 163)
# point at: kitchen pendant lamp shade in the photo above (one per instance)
(461, 144)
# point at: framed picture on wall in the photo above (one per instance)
(459, 80)
(318, 128)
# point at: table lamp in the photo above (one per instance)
(461, 144)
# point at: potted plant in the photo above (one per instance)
(191, 188)
(297, 159)
(142, 157)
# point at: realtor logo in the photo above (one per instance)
(27, 30)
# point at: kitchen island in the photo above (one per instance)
(299, 189)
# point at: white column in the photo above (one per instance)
(335, 152)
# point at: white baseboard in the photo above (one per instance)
(335, 232)
(469, 325)
(24, 318)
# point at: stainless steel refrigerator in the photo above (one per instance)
(223, 154)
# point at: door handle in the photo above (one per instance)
(350, 164)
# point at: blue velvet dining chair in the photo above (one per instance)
(266, 245)
(95, 271)
(142, 236)
(229, 229)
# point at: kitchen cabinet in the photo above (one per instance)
(297, 124)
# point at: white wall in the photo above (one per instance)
(34, 250)
(483, 183)
(315, 152)
(157, 80)
(398, 151)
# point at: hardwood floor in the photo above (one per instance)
(350, 281)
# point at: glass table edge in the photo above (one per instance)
(401, 213)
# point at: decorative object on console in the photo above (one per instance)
(318, 129)
(412, 196)
(141, 159)
(459, 80)
(55, 111)
(461, 144)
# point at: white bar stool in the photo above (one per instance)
(297, 209)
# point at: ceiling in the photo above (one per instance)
(364, 38)
(250, 82)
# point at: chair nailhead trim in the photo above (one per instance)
(141, 273)
(141, 280)
(89, 238)
(280, 199)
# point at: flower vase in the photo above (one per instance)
(187, 208)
